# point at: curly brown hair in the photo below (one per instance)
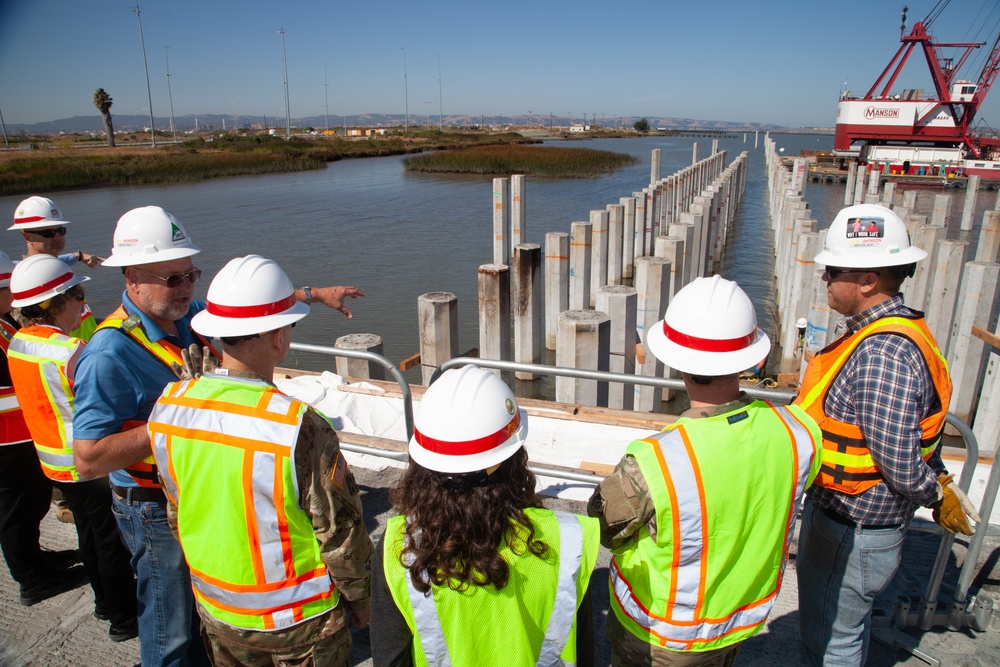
(454, 537)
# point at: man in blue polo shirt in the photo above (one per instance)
(119, 377)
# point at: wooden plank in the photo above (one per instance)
(372, 441)
(990, 339)
(640, 354)
(604, 469)
(409, 362)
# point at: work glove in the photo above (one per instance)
(197, 362)
(954, 509)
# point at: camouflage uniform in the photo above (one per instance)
(329, 495)
(624, 506)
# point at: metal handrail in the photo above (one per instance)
(375, 358)
(777, 395)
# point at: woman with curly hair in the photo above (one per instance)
(474, 571)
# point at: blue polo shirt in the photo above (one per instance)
(118, 380)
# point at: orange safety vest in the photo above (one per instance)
(37, 357)
(144, 472)
(848, 466)
(13, 429)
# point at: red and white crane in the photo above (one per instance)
(910, 128)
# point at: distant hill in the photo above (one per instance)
(209, 122)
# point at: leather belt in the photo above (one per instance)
(836, 516)
(138, 494)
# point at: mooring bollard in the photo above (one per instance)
(518, 232)
(969, 210)
(556, 283)
(629, 252)
(526, 285)
(616, 239)
(501, 220)
(360, 368)
(652, 284)
(943, 291)
(619, 302)
(978, 294)
(580, 235)
(584, 342)
(598, 253)
(988, 249)
(494, 316)
(437, 324)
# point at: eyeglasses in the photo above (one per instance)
(49, 233)
(177, 279)
(832, 272)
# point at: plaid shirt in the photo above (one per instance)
(886, 388)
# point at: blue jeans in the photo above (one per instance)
(840, 571)
(169, 632)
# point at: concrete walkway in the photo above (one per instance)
(63, 632)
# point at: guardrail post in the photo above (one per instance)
(360, 368)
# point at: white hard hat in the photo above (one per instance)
(868, 236)
(39, 278)
(467, 421)
(6, 268)
(801, 323)
(249, 295)
(149, 234)
(35, 213)
(710, 328)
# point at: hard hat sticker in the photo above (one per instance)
(509, 404)
(865, 228)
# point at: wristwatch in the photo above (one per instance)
(307, 291)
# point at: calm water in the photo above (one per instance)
(397, 235)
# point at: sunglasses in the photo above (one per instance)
(49, 233)
(832, 272)
(177, 279)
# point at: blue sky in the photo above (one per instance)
(772, 61)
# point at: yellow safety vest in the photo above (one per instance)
(726, 491)
(530, 621)
(37, 358)
(225, 448)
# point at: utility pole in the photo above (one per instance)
(406, 98)
(6, 143)
(170, 94)
(149, 91)
(440, 98)
(284, 61)
(326, 99)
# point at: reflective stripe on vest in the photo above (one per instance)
(674, 616)
(145, 473)
(563, 608)
(848, 466)
(87, 325)
(37, 359)
(266, 584)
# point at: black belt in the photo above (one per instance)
(834, 515)
(138, 494)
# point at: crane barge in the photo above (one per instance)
(909, 134)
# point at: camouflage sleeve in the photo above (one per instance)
(330, 496)
(623, 505)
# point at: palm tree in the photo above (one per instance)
(103, 103)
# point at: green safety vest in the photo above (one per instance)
(726, 491)
(531, 620)
(225, 448)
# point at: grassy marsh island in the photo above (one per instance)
(538, 161)
(69, 163)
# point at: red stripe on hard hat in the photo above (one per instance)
(252, 311)
(466, 447)
(33, 218)
(35, 291)
(708, 344)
